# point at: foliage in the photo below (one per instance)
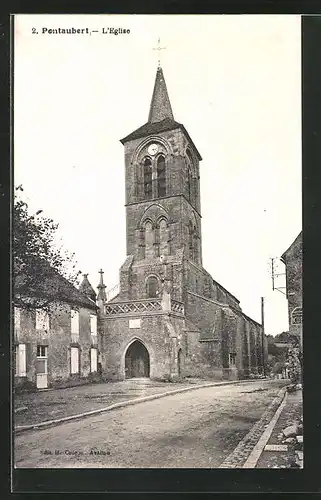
(294, 364)
(38, 263)
(285, 357)
(278, 367)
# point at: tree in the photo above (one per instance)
(43, 273)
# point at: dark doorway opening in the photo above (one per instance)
(136, 361)
(179, 362)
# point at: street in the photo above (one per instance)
(194, 429)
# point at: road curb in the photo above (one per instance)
(122, 404)
(240, 455)
(257, 451)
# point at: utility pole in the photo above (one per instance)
(262, 321)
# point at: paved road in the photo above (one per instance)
(193, 429)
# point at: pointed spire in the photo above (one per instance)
(101, 287)
(160, 106)
(86, 288)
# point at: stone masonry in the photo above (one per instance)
(170, 319)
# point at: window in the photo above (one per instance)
(152, 287)
(232, 359)
(297, 316)
(41, 362)
(93, 359)
(191, 240)
(148, 188)
(17, 318)
(149, 240)
(74, 360)
(42, 351)
(42, 320)
(189, 178)
(74, 325)
(21, 364)
(161, 176)
(93, 324)
(189, 184)
(163, 237)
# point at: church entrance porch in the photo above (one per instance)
(137, 361)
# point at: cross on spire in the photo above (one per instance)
(101, 287)
(159, 48)
(101, 281)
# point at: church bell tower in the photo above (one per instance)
(163, 214)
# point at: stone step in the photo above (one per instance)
(276, 447)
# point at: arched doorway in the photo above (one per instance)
(136, 361)
(179, 362)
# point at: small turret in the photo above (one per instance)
(101, 297)
(86, 288)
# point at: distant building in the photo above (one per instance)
(59, 347)
(170, 318)
(292, 259)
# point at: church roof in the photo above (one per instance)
(160, 106)
(160, 118)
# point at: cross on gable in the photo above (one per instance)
(159, 48)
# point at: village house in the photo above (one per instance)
(58, 345)
(292, 258)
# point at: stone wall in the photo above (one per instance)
(153, 333)
(58, 342)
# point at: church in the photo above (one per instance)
(170, 319)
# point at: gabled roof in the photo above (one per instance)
(284, 255)
(52, 286)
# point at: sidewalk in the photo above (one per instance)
(280, 451)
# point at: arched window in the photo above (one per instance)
(142, 243)
(148, 189)
(161, 176)
(189, 183)
(296, 316)
(149, 240)
(190, 179)
(163, 237)
(191, 240)
(195, 244)
(152, 289)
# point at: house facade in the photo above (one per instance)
(170, 318)
(58, 346)
(292, 258)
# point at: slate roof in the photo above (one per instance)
(157, 127)
(160, 118)
(52, 286)
(86, 288)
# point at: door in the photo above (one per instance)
(93, 359)
(136, 361)
(74, 360)
(42, 367)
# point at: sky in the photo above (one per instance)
(235, 84)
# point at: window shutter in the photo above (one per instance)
(28, 356)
